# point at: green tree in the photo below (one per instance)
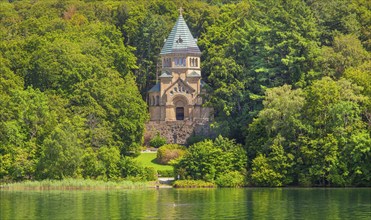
(362, 76)
(110, 159)
(333, 115)
(61, 153)
(254, 46)
(26, 121)
(346, 51)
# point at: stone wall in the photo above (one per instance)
(177, 131)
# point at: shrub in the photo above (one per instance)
(90, 165)
(170, 152)
(166, 173)
(231, 179)
(207, 160)
(263, 174)
(157, 141)
(195, 139)
(149, 174)
(193, 184)
(130, 167)
(132, 170)
(109, 162)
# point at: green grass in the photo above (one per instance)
(149, 160)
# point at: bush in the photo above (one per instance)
(231, 179)
(130, 167)
(195, 139)
(207, 160)
(132, 170)
(193, 184)
(157, 141)
(263, 174)
(170, 152)
(149, 174)
(166, 173)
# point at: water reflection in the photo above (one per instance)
(251, 203)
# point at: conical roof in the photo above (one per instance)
(180, 40)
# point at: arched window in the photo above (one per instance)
(157, 100)
(153, 100)
(179, 113)
(196, 62)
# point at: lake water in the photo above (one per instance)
(246, 203)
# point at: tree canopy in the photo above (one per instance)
(289, 81)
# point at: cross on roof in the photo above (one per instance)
(180, 10)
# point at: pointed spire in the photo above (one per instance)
(180, 39)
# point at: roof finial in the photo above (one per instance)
(181, 11)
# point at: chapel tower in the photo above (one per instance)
(178, 94)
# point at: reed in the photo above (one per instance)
(193, 184)
(70, 184)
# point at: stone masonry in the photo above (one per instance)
(177, 131)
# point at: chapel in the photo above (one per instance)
(177, 96)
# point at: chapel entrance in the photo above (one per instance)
(179, 113)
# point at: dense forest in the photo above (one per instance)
(290, 83)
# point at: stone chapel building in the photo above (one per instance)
(178, 94)
(175, 102)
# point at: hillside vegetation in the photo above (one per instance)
(290, 82)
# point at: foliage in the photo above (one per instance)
(149, 174)
(61, 154)
(157, 141)
(194, 139)
(208, 160)
(231, 179)
(169, 152)
(289, 80)
(166, 173)
(252, 46)
(272, 170)
(193, 184)
(66, 86)
(312, 139)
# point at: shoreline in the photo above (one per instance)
(82, 184)
(76, 184)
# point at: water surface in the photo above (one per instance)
(246, 203)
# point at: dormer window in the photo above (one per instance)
(180, 40)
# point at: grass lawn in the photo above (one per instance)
(148, 160)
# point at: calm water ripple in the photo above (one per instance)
(247, 203)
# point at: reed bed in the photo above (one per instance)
(71, 184)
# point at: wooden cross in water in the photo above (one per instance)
(181, 11)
